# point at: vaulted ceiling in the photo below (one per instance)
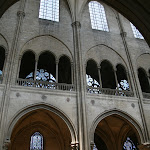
(137, 11)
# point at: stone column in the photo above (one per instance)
(116, 80)
(72, 73)
(18, 69)
(35, 69)
(57, 62)
(144, 146)
(129, 81)
(80, 89)
(10, 77)
(99, 75)
(148, 77)
(4, 68)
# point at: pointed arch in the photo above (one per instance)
(128, 118)
(47, 107)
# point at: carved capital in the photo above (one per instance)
(144, 146)
(57, 61)
(74, 146)
(20, 14)
(6, 145)
(76, 24)
(123, 34)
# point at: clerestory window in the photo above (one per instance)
(36, 142)
(136, 32)
(98, 16)
(49, 10)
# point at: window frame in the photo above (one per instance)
(53, 12)
(98, 15)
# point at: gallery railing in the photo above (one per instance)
(107, 91)
(146, 95)
(46, 85)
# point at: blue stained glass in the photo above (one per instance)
(129, 145)
(36, 142)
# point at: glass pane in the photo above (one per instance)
(98, 17)
(49, 9)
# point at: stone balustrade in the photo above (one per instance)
(107, 91)
(46, 85)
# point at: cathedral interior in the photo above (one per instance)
(74, 75)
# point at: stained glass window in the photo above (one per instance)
(42, 75)
(136, 32)
(36, 142)
(92, 82)
(49, 9)
(123, 85)
(98, 16)
(129, 145)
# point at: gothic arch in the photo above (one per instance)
(48, 107)
(135, 125)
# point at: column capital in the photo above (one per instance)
(76, 24)
(74, 146)
(57, 61)
(20, 14)
(144, 146)
(6, 145)
(99, 67)
(36, 58)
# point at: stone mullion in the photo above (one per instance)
(129, 81)
(148, 78)
(57, 62)
(4, 67)
(35, 68)
(9, 77)
(116, 79)
(80, 89)
(134, 78)
(72, 73)
(99, 75)
(18, 69)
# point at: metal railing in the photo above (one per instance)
(46, 85)
(107, 91)
(146, 95)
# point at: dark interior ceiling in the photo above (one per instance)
(137, 11)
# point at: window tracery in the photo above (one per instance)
(49, 10)
(98, 16)
(42, 75)
(36, 142)
(123, 85)
(129, 145)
